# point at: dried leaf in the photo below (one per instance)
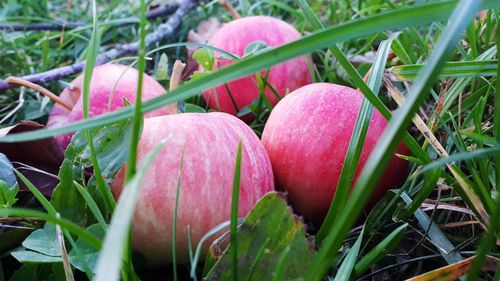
(38, 160)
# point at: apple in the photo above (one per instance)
(234, 37)
(307, 136)
(210, 142)
(110, 84)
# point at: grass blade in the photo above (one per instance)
(174, 226)
(110, 257)
(345, 270)
(137, 121)
(92, 51)
(234, 214)
(356, 143)
(461, 17)
(489, 238)
(382, 248)
(462, 69)
(65, 224)
(401, 18)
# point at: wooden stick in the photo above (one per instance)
(42, 90)
(230, 8)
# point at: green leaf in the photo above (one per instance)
(43, 241)
(89, 252)
(34, 257)
(205, 57)
(267, 232)
(161, 72)
(189, 107)
(111, 144)
(110, 257)
(65, 198)
(255, 47)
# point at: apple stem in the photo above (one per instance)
(40, 89)
(230, 8)
(175, 78)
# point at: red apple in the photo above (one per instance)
(110, 84)
(234, 37)
(210, 143)
(307, 137)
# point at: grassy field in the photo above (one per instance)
(429, 67)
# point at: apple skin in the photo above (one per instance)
(210, 141)
(104, 79)
(307, 136)
(234, 37)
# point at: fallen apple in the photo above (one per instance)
(110, 85)
(307, 137)
(234, 37)
(209, 142)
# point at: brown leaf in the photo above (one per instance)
(456, 270)
(38, 160)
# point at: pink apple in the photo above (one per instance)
(110, 84)
(307, 137)
(234, 37)
(210, 143)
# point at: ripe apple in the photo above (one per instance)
(110, 84)
(234, 37)
(307, 137)
(210, 144)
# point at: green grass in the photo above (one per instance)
(438, 54)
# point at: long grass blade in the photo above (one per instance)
(70, 226)
(356, 142)
(92, 52)
(401, 18)
(234, 214)
(462, 69)
(461, 17)
(110, 257)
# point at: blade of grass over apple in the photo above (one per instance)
(356, 142)
(401, 18)
(380, 156)
(174, 224)
(65, 224)
(491, 235)
(137, 121)
(361, 84)
(116, 240)
(92, 51)
(234, 214)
